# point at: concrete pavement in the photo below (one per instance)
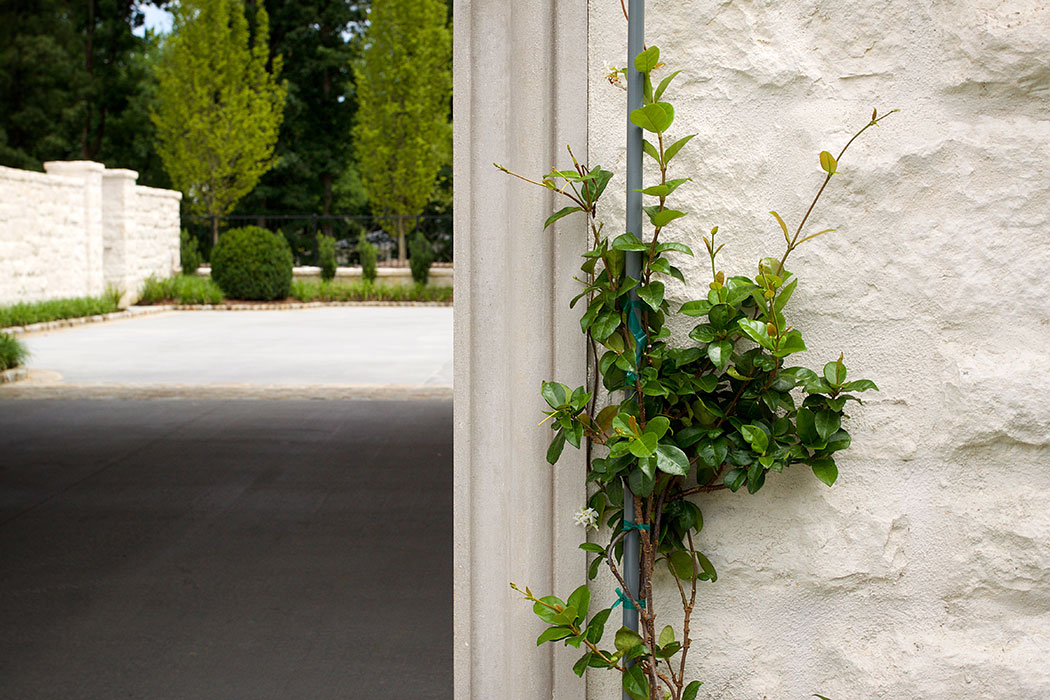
(225, 550)
(406, 346)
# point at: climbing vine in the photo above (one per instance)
(719, 413)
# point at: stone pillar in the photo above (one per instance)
(118, 193)
(91, 174)
(520, 96)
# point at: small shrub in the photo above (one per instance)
(12, 352)
(312, 290)
(252, 263)
(368, 254)
(326, 256)
(420, 255)
(189, 253)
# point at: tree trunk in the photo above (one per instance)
(214, 230)
(402, 257)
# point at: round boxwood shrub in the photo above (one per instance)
(252, 263)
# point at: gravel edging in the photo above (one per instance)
(15, 374)
(130, 312)
(133, 311)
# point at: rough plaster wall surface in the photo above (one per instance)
(925, 571)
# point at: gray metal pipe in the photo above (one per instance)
(633, 262)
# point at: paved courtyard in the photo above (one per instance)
(406, 346)
(218, 550)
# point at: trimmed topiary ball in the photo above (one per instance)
(252, 263)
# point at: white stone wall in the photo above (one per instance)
(78, 227)
(925, 571)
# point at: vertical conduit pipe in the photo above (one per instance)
(633, 264)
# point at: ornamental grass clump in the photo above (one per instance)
(683, 422)
(12, 352)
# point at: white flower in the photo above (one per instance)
(588, 517)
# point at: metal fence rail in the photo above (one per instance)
(301, 231)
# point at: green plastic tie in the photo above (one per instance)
(633, 307)
(629, 525)
(621, 598)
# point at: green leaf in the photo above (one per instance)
(662, 218)
(735, 479)
(592, 547)
(859, 385)
(663, 85)
(785, 293)
(839, 441)
(827, 162)
(605, 325)
(664, 189)
(561, 213)
(835, 373)
(675, 246)
(682, 564)
(652, 294)
(553, 634)
(647, 60)
(555, 394)
(720, 353)
(596, 627)
(666, 636)
(545, 613)
(700, 307)
(671, 460)
(580, 666)
(580, 599)
(826, 423)
(658, 426)
(825, 470)
(783, 226)
(592, 313)
(635, 684)
(672, 150)
(756, 437)
(789, 343)
(756, 330)
(656, 117)
(640, 484)
(709, 569)
(628, 241)
(650, 150)
(644, 446)
(556, 447)
(805, 423)
(691, 690)
(627, 639)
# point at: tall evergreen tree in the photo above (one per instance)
(219, 108)
(403, 135)
(318, 40)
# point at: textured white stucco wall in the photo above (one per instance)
(925, 572)
(80, 227)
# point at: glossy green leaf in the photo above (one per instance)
(555, 449)
(682, 565)
(672, 150)
(805, 424)
(627, 639)
(652, 294)
(647, 60)
(756, 437)
(580, 599)
(825, 470)
(560, 214)
(658, 426)
(663, 85)
(605, 325)
(675, 246)
(826, 423)
(783, 226)
(756, 330)
(650, 150)
(553, 634)
(860, 385)
(735, 479)
(628, 242)
(662, 218)
(635, 684)
(544, 612)
(555, 394)
(835, 373)
(827, 162)
(656, 117)
(720, 353)
(580, 666)
(666, 636)
(709, 569)
(789, 343)
(699, 307)
(691, 690)
(596, 627)
(671, 460)
(664, 189)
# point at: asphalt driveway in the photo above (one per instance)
(225, 550)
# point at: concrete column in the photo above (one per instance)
(520, 96)
(91, 174)
(118, 193)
